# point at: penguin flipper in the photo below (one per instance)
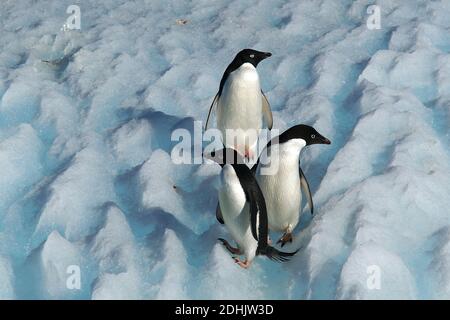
(261, 213)
(267, 112)
(219, 216)
(259, 224)
(255, 167)
(253, 217)
(216, 97)
(305, 187)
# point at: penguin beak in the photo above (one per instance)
(325, 141)
(266, 55)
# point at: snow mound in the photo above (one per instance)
(115, 251)
(77, 195)
(367, 261)
(20, 160)
(58, 256)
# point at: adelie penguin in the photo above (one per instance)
(243, 209)
(240, 102)
(283, 187)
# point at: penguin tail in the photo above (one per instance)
(275, 255)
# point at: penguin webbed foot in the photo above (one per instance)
(228, 246)
(287, 237)
(245, 264)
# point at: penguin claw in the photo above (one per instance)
(227, 245)
(287, 237)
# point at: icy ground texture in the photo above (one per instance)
(87, 179)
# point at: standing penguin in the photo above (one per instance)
(282, 188)
(241, 104)
(243, 209)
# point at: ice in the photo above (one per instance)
(58, 117)
(221, 278)
(87, 178)
(56, 258)
(165, 187)
(175, 269)
(76, 195)
(17, 107)
(122, 286)
(20, 160)
(113, 245)
(131, 143)
(115, 251)
(159, 185)
(6, 279)
(396, 281)
(440, 266)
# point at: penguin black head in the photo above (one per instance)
(250, 56)
(305, 132)
(244, 56)
(225, 156)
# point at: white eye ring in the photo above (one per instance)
(252, 56)
(313, 136)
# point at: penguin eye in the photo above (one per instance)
(313, 136)
(252, 56)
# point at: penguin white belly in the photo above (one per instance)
(282, 189)
(240, 106)
(283, 200)
(235, 212)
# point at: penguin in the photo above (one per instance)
(240, 102)
(282, 188)
(243, 210)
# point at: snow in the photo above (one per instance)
(174, 267)
(220, 277)
(6, 277)
(115, 252)
(56, 257)
(20, 160)
(397, 281)
(87, 178)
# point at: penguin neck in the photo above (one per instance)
(284, 156)
(289, 153)
(246, 72)
(247, 66)
(292, 148)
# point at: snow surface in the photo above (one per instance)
(86, 173)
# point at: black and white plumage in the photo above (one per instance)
(243, 209)
(240, 103)
(282, 180)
